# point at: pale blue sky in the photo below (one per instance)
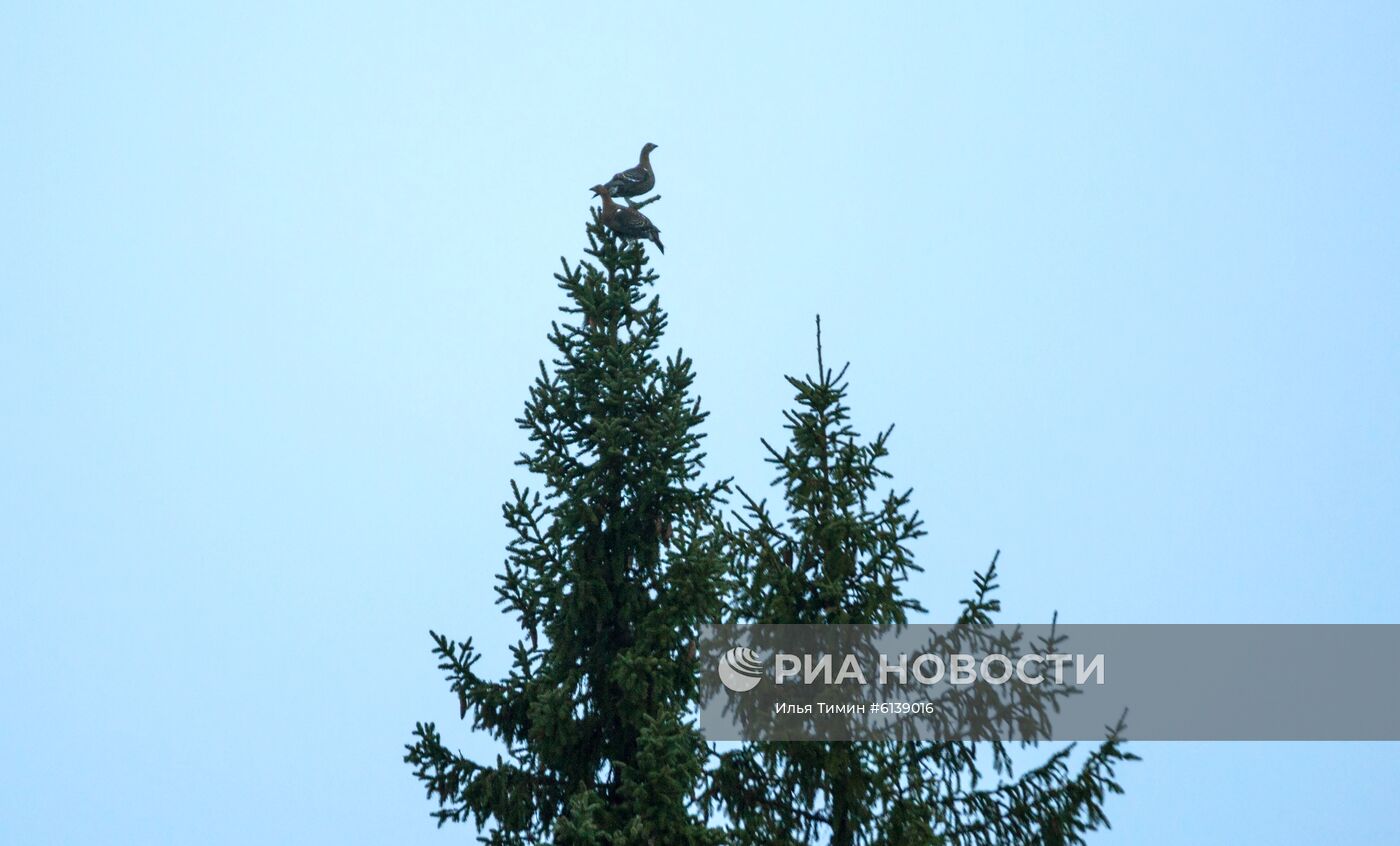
(273, 283)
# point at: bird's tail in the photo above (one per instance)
(656, 238)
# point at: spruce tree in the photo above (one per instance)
(840, 554)
(614, 562)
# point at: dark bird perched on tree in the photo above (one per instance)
(627, 222)
(634, 181)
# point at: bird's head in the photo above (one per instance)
(601, 190)
(648, 147)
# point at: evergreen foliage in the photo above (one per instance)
(613, 563)
(841, 555)
(621, 554)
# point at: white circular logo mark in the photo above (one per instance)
(740, 669)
